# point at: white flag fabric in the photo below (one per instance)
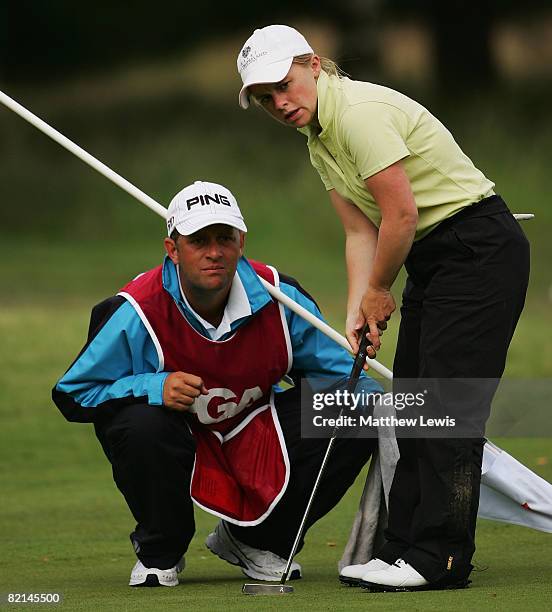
(512, 493)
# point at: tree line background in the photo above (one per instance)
(44, 40)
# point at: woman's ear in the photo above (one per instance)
(315, 65)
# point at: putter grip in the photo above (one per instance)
(360, 358)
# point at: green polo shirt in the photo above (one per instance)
(368, 127)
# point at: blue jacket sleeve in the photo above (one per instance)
(118, 363)
(314, 354)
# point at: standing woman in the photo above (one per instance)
(406, 194)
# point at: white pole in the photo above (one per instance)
(162, 211)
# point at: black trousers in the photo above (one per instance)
(152, 455)
(465, 291)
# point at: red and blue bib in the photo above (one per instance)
(241, 468)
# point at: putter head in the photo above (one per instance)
(267, 589)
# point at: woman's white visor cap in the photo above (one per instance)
(267, 55)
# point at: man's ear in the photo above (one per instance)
(172, 252)
(242, 242)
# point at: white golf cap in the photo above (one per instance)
(203, 204)
(267, 55)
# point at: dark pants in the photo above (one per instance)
(152, 454)
(465, 291)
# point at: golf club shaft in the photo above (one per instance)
(145, 199)
(358, 364)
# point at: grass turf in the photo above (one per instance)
(64, 526)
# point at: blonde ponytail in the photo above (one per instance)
(328, 65)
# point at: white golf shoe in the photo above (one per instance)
(353, 574)
(142, 576)
(254, 563)
(400, 576)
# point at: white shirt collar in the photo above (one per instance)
(236, 308)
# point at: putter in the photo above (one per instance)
(281, 588)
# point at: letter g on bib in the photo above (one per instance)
(212, 408)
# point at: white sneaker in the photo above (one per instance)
(400, 576)
(255, 563)
(152, 577)
(353, 574)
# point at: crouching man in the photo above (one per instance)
(179, 375)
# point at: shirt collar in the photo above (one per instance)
(236, 308)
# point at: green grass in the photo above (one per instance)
(64, 526)
(68, 238)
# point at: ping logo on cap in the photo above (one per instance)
(206, 200)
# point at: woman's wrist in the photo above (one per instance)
(380, 287)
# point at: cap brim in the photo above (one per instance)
(191, 226)
(273, 73)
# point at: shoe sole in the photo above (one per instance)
(385, 588)
(152, 580)
(351, 582)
